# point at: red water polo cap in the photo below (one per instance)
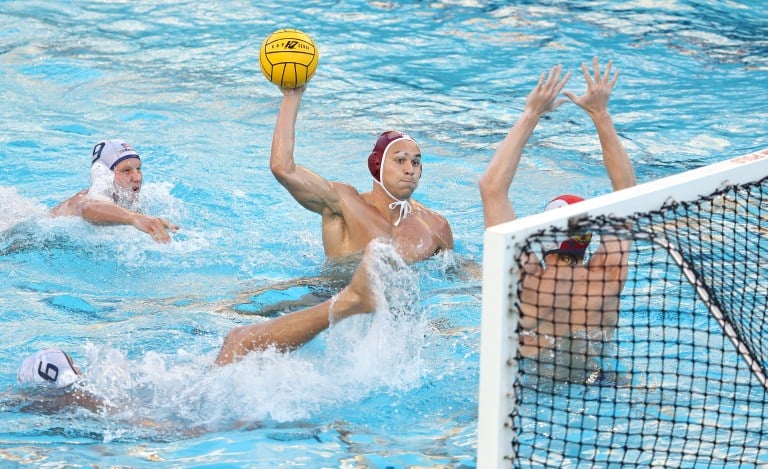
(575, 245)
(380, 149)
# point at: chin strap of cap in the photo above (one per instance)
(404, 205)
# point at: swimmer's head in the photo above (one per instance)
(385, 141)
(111, 152)
(117, 177)
(575, 246)
(49, 366)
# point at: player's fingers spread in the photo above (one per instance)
(554, 75)
(587, 76)
(607, 72)
(596, 67)
(158, 230)
(613, 80)
(168, 225)
(161, 236)
(559, 102)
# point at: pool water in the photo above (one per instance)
(181, 82)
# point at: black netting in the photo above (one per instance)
(673, 376)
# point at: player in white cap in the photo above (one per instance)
(113, 198)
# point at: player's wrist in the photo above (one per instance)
(529, 117)
(600, 115)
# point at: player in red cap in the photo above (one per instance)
(351, 219)
(566, 303)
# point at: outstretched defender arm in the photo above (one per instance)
(105, 213)
(311, 190)
(495, 182)
(595, 102)
(612, 256)
(102, 212)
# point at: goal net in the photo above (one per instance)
(656, 357)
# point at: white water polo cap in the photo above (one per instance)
(49, 366)
(111, 152)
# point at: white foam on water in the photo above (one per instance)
(17, 209)
(357, 357)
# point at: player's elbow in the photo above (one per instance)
(284, 173)
(484, 184)
(490, 188)
(490, 195)
(279, 169)
(89, 210)
(234, 347)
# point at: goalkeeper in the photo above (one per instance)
(569, 306)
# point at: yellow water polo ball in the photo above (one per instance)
(288, 58)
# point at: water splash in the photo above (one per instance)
(104, 187)
(17, 209)
(357, 357)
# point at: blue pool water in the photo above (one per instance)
(180, 80)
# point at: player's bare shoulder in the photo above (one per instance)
(435, 221)
(71, 207)
(345, 189)
(428, 215)
(349, 197)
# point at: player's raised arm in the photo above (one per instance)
(308, 188)
(595, 102)
(613, 253)
(495, 182)
(288, 58)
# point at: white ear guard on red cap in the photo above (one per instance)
(576, 245)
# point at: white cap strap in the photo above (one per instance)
(405, 206)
